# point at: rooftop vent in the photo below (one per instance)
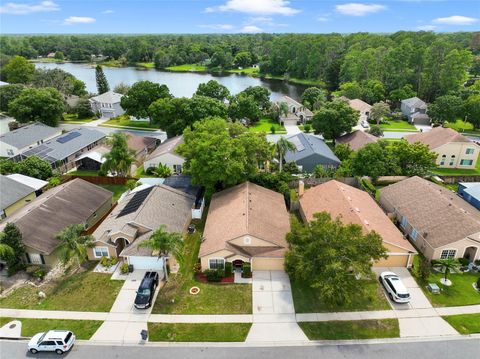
(366, 222)
(357, 209)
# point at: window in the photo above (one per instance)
(448, 254)
(100, 252)
(452, 160)
(218, 263)
(466, 162)
(403, 222)
(442, 162)
(413, 235)
(470, 151)
(177, 168)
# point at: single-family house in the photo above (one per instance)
(73, 202)
(470, 192)
(454, 150)
(36, 184)
(364, 111)
(26, 137)
(310, 151)
(13, 195)
(134, 220)
(354, 206)
(356, 139)
(438, 222)
(166, 154)
(415, 110)
(63, 151)
(297, 112)
(246, 223)
(107, 104)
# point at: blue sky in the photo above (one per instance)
(235, 16)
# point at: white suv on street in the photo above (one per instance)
(394, 287)
(58, 341)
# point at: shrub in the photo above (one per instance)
(424, 269)
(477, 262)
(247, 270)
(228, 269)
(124, 268)
(214, 275)
(478, 284)
(150, 171)
(272, 129)
(104, 261)
(36, 271)
(307, 128)
(464, 261)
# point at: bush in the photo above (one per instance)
(307, 128)
(36, 271)
(464, 261)
(247, 270)
(228, 269)
(272, 129)
(108, 262)
(124, 268)
(150, 171)
(214, 275)
(478, 284)
(477, 262)
(104, 261)
(424, 269)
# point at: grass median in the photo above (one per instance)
(351, 329)
(465, 323)
(198, 332)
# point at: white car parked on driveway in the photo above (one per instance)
(58, 341)
(394, 287)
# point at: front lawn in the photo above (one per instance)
(117, 189)
(307, 299)
(354, 329)
(73, 118)
(187, 68)
(462, 126)
(400, 125)
(124, 121)
(199, 332)
(465, 323)
(85, 291)
(265, 125)
(83, 329)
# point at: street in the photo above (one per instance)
(435, 349)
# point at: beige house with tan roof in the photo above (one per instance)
(454, 150)
(246, 223)
(363, 108)
(356, 140)
(166, 154)
(440, 224)
(355, 206)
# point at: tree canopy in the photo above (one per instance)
(334, 119)
(120, 158)
(101, 79)
(18, 70)
(213, 89)
(313, 98)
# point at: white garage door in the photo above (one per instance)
(153, 263)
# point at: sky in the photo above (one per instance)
(236, 16)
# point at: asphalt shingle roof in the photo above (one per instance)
(308, 145)
(414, 102)
(437, 137)
(108, 97)
(28, 135)
(12, 191)
(357, 139)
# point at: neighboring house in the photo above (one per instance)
(141, 146)
(415, 110)
(310, 151)
(13, 195)
(245, 224)
(107, 104)
(356, 139)
(364, 109)
(454, 150)
(26, 137)
(297, 113)
(470, 192)
(166, 154)
(36, 184)
(74, 202)
(354, 206)
(438, 222)
(63, 151)
(135, 219)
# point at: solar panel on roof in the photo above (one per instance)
(297, 143)
(68, 137)
(135, 202)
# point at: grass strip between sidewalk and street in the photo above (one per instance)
(351, 329)
(198, 332)
(83, 329)
(464, 323)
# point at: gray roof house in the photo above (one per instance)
(135, 219)
(63, 151)
(26, 137)
(415, 110)
(310, 152)
(107, 104)
(13, 195)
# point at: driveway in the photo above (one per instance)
(273, 311)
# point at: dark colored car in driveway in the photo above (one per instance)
(146, 290)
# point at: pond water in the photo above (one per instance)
(181, 84)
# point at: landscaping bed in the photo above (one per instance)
(203, 278)
(83, 329)
(465, 323)
(199, 332)
(351, 329)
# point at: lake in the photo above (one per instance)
(181, 84)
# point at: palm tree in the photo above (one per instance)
(165, 243)
(283, 146)
(120, 158)
(449, 265)
(73, 244)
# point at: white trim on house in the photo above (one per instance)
(102, 249)
(476, 253)
(216, 259)
(448, 250)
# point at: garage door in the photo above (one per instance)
(152, 263)
(393, 261)
(267, 263)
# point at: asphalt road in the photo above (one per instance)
(437, 349)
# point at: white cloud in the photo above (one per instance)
(108, 12)
(455, 20)
(259, 7)
(357, 9)
(72, 20)
(23, 9)
(251, 29)
(323, 18)
(426, 27)
(217, 26)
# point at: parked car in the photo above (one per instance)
(146, 290)
(365, 124)
(58, 341)
(395, 288)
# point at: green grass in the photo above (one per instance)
(400, 126)
(265, 125)
(147, 65)
(307, 299)
(354, 329)
(140, 172)
(462, 126)
(294, 80)
(117, 189)
(246, 71)
(73, 118)
(83, 329)
(465, 323)
(124, 121)
(187, 68)
(82, 173)
(85, 291)
(198, 332)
